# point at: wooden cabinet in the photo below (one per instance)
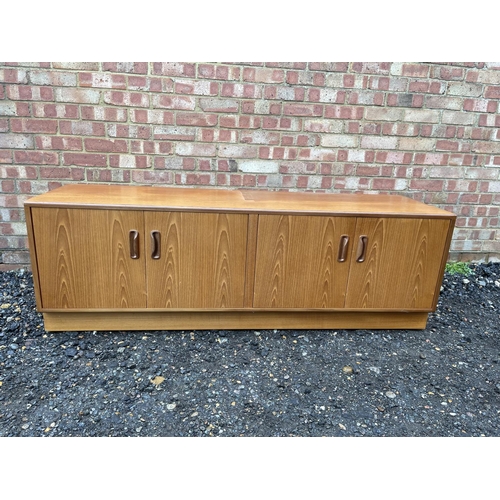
(83, 258)
(199, 262)
(146, 258)
(297, 263)
(400, 264)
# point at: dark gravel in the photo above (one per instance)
(441, 381)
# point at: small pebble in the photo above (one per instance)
(390, 394)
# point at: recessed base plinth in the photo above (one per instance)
(233, 320)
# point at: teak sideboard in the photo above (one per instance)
(111, 257)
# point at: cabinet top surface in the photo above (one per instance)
(207, 199)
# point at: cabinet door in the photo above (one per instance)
(401, 263)
(196, 260)
(297, 261)
(84, 258)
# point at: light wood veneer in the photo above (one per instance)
(130, 257)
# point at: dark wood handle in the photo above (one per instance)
(363, 242)
(344, 243)
(155, 244)
(134, 244)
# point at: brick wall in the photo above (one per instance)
(429, 131)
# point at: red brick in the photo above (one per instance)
(447, 145)
(425, 185)
(469, 198)
(487, 147)
(36, 157)
(326, 66)
(174, 102)
(195, 179)
(197, 87)
(480, 105)
(263, 75)
(428, 87)
(241, 90)
(260, 137)
(107, 175)
(393, 157)
(416, 70)
(492, 92)
(152, 116)
(85, 159)
(206, 71)
(5, 157)
(13, 76)
(174, 69)
(384, 184)
(126, 99)
(217, 135)
(196, 119)
(33, 125)
(126, 67)
(288, 93)
(373, 68)
(80, 96)
(367, 171)
(82, 128)
(29, 93)
(59, 143)
(103, 113)
(149, 84)
(129, 161)
(41, 110)
(106, 146)
(151, 147)
(102, 80)
(303, 109)
(152, 177)
(55, 173)
(132, 131)
(7, 186)
(448, 73)
(489, 120)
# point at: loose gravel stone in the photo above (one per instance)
(441, 381)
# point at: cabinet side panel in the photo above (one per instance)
(444, 259)
(84, 258)
(401, 264)
(33, 258)
(297, 261)
(202, 260)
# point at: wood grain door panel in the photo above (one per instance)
(83, 258)
(297, 261)
(401, 265)
(202, 260)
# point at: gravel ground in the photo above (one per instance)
(441, 381)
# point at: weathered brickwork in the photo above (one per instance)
(429, 131)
